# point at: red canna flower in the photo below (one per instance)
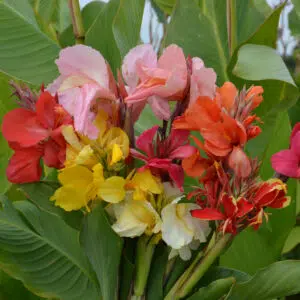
(271, 193)
(160, 154)
(34, 135)
(286, 162)
(232, 216)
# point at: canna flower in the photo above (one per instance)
(271, 193)
(155, 81)
(111, 145)
(34, 135)
(159, 154)
(85, 78)
(286, 162)
(80, 185)
(180, 230)
(135, 218)
(234, 212)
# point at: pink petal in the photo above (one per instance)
(142, 55)
(239, 162)
(160, 107)
(177, 175)
(83, 116)
(203, 83)
(178, 137)
(145, 141)
(286, 163)
(295, 144)
(160, 163)
(69, 99)
(296, 129)
(53, 87)
(171, 58)
(138, 155)
(183, 152)
(85, 61)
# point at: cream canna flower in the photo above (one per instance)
(135, 218)
(180, 230)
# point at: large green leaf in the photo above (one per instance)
(278, 280)
(11, 289)
(214, 291)
(42, 251)
(127, 24)
(201, 30)
(103, 247)
(116, 30)
(293, 240)
(89, 14)
(26, 52)
(40, 192)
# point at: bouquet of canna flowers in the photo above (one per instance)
(116, 205)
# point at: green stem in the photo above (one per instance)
(145, 251)
(231, 25)
(197, 269)
(77, 22)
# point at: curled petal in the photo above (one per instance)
(145, 141)
(160, 107)
(207, 214)
(183, 152)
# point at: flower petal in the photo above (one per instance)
(21, 126)
(24, 165)
(207, 214)
(145, 141)
(84, 61)
(112, 189)
(286, 163)
(160, 107)
(142, 55)
(239, 162)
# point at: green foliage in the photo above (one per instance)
(116, 30)
(103, 248)
(278, 280)
(39, 249)
(165, 5)
(26, 53)
(214, 291)
(293, 240)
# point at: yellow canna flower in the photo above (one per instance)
(80, 185)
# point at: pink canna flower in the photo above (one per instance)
(85, 78)
(155, 81)
(286, 162)
(159, 154)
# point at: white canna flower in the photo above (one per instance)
(180, 230)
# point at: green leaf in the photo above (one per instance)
(44, 253)
(214, 291)
(165, 5)
(103, 248)
(89, 14)
(292, 241)
(26, 52)
(11, 289)
(201, 30)
(127, 24)
(278, 280)
(157, 272)
(39, 193)
(100, 35)
(294, 20)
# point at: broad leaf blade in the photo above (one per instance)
(278, 280)
(127, 24)
(26, 52)
(44, 253)
(103, 247)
